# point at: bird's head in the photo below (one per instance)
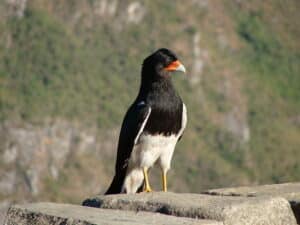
(161, 64)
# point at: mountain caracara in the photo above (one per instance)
(152, 126)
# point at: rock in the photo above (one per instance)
(29, 153)
(17, 7)
(135, 12)
(4, 205)
(57, 214)
(105, 8)
(227, 209)
(236, 123)
(289, 191)
(7, 182)
(198, 62)
(262, 205)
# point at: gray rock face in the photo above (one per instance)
(289, 191)
(30, 153)
(57, 214)
(261, 205)
(16, 7)
(227, 209)
(4, 205)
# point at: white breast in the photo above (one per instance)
(151, 148)
(156, 147)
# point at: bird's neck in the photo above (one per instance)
(160, 84)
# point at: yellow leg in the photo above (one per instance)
(147, 187)
(164, 181)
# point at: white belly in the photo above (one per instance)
(145, 153)
(151, 148)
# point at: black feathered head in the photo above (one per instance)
(160, 64)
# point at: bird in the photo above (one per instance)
(152, 126)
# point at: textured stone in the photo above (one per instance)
(58, 214)
(289, 191)
(4, 206)
(228, 209)
(29, 153)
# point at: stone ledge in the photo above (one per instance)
(227, 209)
(289, 191)
(58, 214)
(277, 204)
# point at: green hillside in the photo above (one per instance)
(80, 61)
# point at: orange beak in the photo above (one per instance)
(175, 66)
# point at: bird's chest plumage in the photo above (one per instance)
(151, 148)
(160, 135)
(165, 118)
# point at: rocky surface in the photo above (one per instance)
(4, 206)
(289, 191)
(34, 159)
(57, 214)
(227, 209)
(30, 153)
(260, 205)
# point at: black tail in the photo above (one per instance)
(116, 185)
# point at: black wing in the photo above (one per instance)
(133, 125)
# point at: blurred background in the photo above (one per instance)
(69, 70)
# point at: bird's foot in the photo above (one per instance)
(147, 189)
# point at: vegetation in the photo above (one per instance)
(55, 66)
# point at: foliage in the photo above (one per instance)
(53, 65)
